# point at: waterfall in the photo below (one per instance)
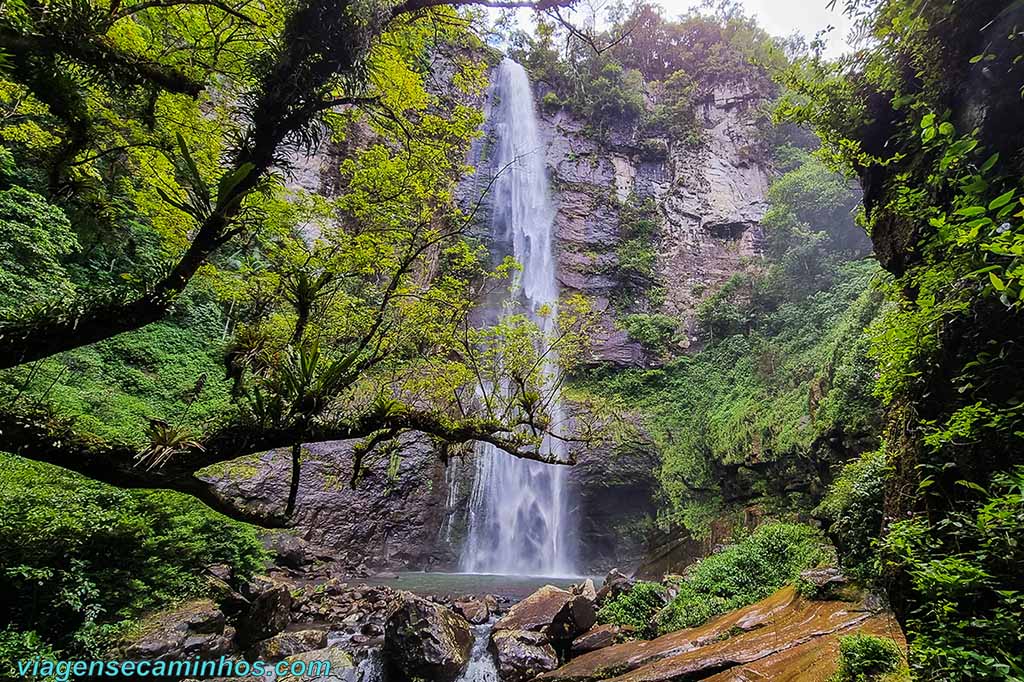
(518, 513)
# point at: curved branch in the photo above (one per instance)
(36, 436)
(100, 55)
(539, 5)
(150, 4)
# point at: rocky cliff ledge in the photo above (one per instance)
(709, 194)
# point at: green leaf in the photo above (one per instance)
(1002, 200)
(928, 121)
(185, 208)
(971, 211)
(972, 485)
(989, 163)
(928, 134)
(947, 129)
(230, 181)
(999, 284)
(195, 179)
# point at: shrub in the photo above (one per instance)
(551, 102)
(653, 331)
(866, 658)
(966, 584)
(16, 645)
(636, 608)
(770, 557)
(854, 507)
(34, 236)
(82, 559)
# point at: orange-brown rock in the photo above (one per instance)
(782, 635)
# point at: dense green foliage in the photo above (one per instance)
(638, 230)
(635, 608)
(966, 566)
(771, 556)
(82, 559)
(34, 235)
(853, 506)
(866, 658)
(784, 384)
(115, 387)
(944, 209)
(679, 64)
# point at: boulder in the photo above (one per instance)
(195, 628)
(522, 655)
(829, 583)
(342, 668)
(286, 549)
(476, 611)
(557, 614)
(586, 589)
(426, 640)
(392, 518)
(269, 610)
(597, 637)
(287, 644)
(615, 583)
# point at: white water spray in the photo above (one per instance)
(518, 514)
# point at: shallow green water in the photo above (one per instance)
(513, 587)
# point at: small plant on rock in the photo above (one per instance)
(866, 658)
(636, 608)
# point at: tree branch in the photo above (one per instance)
(539, 5)
(98, 54)
(36, 436)
(150, 4)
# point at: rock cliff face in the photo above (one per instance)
(393, 519)
(710, 197)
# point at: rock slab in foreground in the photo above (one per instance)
(342, 668)
(287, 644)
(426, 640)
(783, 637)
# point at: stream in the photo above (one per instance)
(512, 588)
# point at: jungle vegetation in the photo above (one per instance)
(169, 299)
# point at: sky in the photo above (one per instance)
(778, 17)
(784, 17)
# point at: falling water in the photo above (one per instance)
(518, 513)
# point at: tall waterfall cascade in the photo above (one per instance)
(518, 521)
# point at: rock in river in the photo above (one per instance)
(522, 655)
(426, 640)
(476, 611)
(269, 611)
(287, 644)
(557, 614)
(597, 637)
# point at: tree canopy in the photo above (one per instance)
(148, 151)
